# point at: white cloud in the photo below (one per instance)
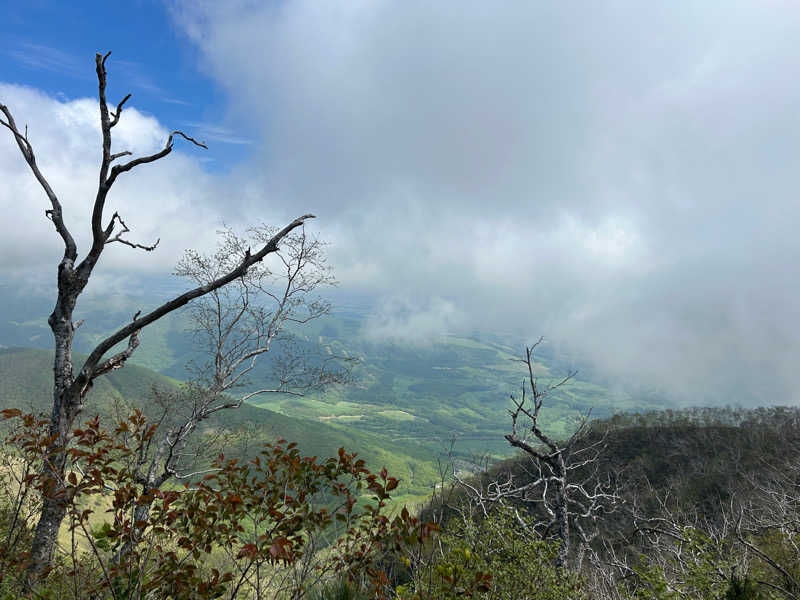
(618, 176)
(173, 199)
(412, 322)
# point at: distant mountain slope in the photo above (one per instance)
(25, 382)
(697, 460)
(450, 386)
(409, 391)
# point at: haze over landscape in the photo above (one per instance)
(619, 177)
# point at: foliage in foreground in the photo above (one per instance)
(271, 527)
(495, 557)
(287, 526)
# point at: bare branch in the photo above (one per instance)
(114, 157)
(88, 371)
(54, 213)
(125, 229)
(195, 473)
(116, 170)
(109, 173)
(247, 397)
(118, 112)
(118, 360)
(187, 138)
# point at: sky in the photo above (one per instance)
(620, 177)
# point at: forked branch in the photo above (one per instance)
(89, 370)
(109, 173)
(523, 407)
(571, 505)
(54, 213)
(118, 238)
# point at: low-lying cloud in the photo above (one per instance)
(412, 322)
(620, 177)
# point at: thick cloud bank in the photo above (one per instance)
(619, 176)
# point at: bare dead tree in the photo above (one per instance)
(233, 327)
(684, 549)
(70, 389)
(564, 481)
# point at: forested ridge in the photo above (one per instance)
(707, 504)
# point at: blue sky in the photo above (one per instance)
(51, 46)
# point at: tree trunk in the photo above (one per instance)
(46, 536)
(561, 511)
(65, 410)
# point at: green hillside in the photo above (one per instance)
(453, 386)
(25, 380)
(406, 403)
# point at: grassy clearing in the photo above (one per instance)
(397, 415)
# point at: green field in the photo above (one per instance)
(25, 383)
(406, 407)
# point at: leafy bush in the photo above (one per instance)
(245, 528)
(497, 557)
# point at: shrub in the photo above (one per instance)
(493, 558)
(245, 528)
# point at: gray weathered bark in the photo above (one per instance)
(69, 389)
(567, 502)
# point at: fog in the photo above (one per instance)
(620, 177)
